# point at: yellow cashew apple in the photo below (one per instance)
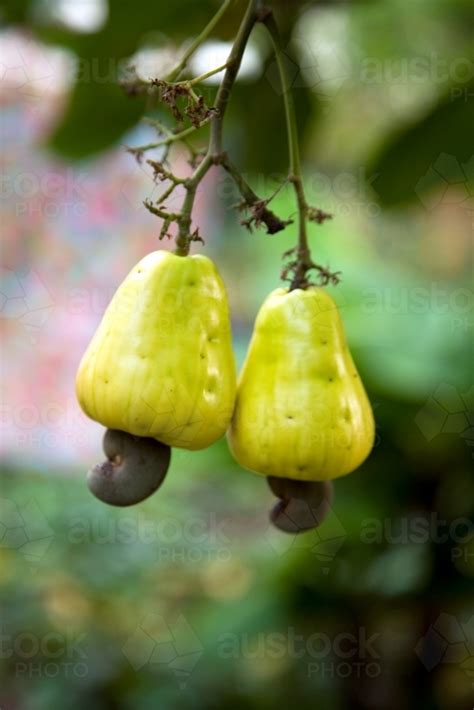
(301, 409)
(160, 364)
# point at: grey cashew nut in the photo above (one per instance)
(135, 468)
(303, 505)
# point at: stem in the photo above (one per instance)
(171, 138)
(259, 213)
(303, 252)
(158, 125)
(198, 79)
(242, 185)
(233, 65)
(273, 223)
(198, 41)
(183, 239)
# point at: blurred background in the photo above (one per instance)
(191, 599)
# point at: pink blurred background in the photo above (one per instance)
(70, 235)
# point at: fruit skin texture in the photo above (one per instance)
(161, 364)
(301, 409)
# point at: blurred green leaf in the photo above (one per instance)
(96, 117)
(14, 11)
(403, 165)
(260, 142)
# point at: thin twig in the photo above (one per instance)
(171, 138)
(174, 73)
(303, 263)
(188, 83)
(215, 143)
(258, 207)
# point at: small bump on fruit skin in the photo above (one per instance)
(135, 468)
(301, 410)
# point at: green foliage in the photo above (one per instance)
(407, 155)
(96, 117)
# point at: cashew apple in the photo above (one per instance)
(160, 364)
(301, 409)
